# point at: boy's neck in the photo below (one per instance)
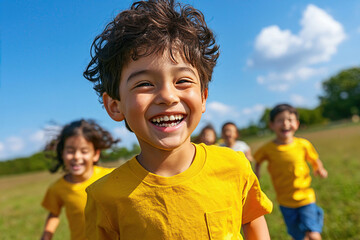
(284, 141)
(78, 179)
(167, 163)
(230, 144)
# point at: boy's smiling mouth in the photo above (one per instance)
(167, 120)
(285, 131)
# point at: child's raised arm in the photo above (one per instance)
(51, 224)
(256, 229)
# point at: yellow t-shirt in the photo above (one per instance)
(289, 171)
(210, 200)
(72, 196)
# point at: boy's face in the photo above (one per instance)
(79, 157)
(161, 100)
(285, 125)
(229, 134)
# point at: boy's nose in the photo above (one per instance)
(77, 155)
(167, 94)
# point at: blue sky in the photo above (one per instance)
(271, 52)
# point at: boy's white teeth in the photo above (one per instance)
(163, 120)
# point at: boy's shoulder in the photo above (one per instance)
(267, 145)
(101, 171)
(302, 141)
(224, 157)
(118, 178)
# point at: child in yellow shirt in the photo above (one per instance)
(78, 149)
(152, 65)
(290, 174)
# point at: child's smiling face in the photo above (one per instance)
(160, 99)
(229, 134)
(208, 137)
(79, 156)
(285, 125)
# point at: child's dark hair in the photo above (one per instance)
(282, 108)
(207, 127)
(89, 129)
(227, 123)
(149, 27)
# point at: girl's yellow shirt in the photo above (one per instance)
(72, 196)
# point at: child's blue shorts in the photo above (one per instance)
(303, 219)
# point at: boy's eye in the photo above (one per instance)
(184, 80)
(69, 151)
(143, 84)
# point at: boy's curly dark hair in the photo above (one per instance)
(149, 27)
(89, 129)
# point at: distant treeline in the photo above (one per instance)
(41, 161)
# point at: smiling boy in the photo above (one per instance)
(287, 158)
(152, 66)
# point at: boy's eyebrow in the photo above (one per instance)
(145, 71)
(134, 74)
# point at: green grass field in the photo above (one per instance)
(22, 217)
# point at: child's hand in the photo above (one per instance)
(321, 172)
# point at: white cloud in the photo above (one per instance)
(1, 147)
(217, 111)
(258, 108)
(297, 100)
(219, 108)
(281, 81)
(38, 136)
(321, 34)
(291, 57)
(14, 144)
(273, 43)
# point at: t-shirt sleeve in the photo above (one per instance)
(255, 202)
(52, 201)
(311, 154)
(246, 147)
(259, 155)
(96, 223)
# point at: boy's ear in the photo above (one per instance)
(97, 155)
(204, 98)
(271, 124)
(113, 107)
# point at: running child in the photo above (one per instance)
(78, 148)
(207, 135)
(287, 158)
(151, 66)
(230, 135)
